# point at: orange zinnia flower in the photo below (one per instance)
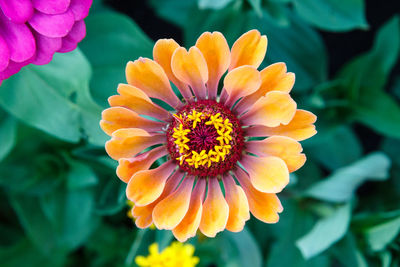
(206, 138)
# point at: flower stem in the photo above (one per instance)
(135, 246)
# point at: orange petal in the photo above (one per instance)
(215, 210)
(150, 77)
(238, 205)
(162, 54)
(249, 49)
(273, 78)
(116, 118)
(271, 110)
(299, 128)
(136, 100)
(191, 68)
(172, 209)
(263, 206)
(240, 82)
(146, 186)
(216, 52)
(128, 167)
(268, 174)
(125, 143)
(188, 226)
(283, 147)
(144, 215)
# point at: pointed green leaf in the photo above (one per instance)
(55, 98)
(380, 235)
(333, 15)
(213, 4)
(342, 184)
(256, 5)
(325, 233)
(8, 127)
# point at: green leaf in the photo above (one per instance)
(333, 15)
(347, 252)
(110, 244)
(342, 184)
(294, 222)
(111, 197)
(380, 235)
(371, 70)
(55, 98)
(335, 143)
(96, 154)
(213, 4)
(391, 147)
(23, 93)
(396, 87)
(36, 176)
(8, 127)
(58, 222)
(365, 77)
(325, 233)
(69, 74)
(256, 5)
(277, 12)
(380, 112)
(80, 175)
(163, 238)
(280, 1)
(386, 258)
(175, 11)
(72, 215)
(245, 248)
(24, 252)
(112, 40)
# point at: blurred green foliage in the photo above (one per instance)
(62, 204)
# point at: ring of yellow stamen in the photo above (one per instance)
(195, 117)
(204, 158)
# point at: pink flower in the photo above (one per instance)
(31, 31)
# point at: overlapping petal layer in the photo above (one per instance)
(127, 167)
(146, 186)
(191, 68)
(283, 147)
(216, 52)
(249, 49)
(301, 127)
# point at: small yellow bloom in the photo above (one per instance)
(177, 254)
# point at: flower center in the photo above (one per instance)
(205, 138)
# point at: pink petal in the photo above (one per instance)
(13, 68)
(18, 11)
(4, 54)
(52, 25)
(46, 47)
(80, 8)
(51, 6)
(76, 35)
(19, 39)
